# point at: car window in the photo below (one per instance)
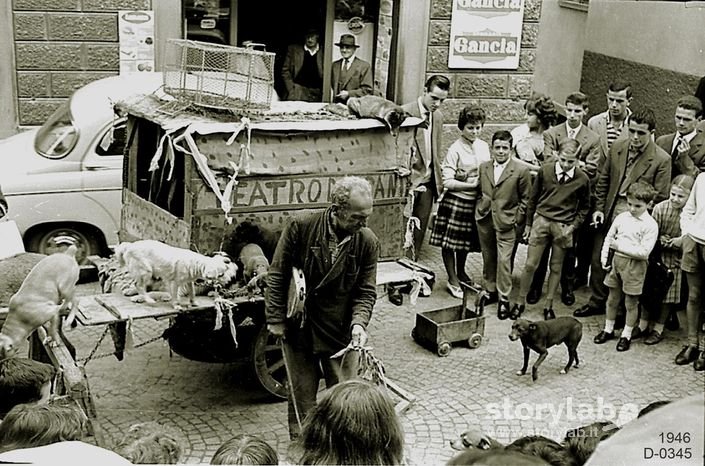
(58, 135)
(114, 140)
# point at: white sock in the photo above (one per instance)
(643, 325)
(609, 326)
(659, 328)
(627, 332)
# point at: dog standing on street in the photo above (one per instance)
(541, 335)
(46, 292)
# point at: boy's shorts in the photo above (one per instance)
(693, 259)
(627, 273)
(544, 230)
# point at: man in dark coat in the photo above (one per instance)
(337, 254)
(302, 71)
(350, 76)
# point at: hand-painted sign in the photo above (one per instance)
(136, 41)
(485, 34)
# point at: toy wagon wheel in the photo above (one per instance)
(443, 349)
(475, 340)
(268, 363)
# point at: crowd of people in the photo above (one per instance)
(603, 204)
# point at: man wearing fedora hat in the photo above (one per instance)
(352, 77)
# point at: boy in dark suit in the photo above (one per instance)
(351, 76)
(505, 187)
(561, 201)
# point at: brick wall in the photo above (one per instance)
(501, 93)
(61, 45)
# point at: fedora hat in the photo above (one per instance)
(347, 40)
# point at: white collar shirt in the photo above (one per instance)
(688, 137)
(498, 170)
(560, 172)
(572, 132)
(311, 52)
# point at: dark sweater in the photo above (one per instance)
(564, 203)
(308, 74)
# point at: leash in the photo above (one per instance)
(291, 385)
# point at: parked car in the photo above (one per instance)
(63, 181)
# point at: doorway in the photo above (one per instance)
(278, 24)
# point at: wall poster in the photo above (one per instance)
(485, 34)
(136, 35)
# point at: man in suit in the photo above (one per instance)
(636, 158)
(351, 76)
(302, 71)
(426, 158)
(612, 123)
(340, 270)
(590, 160)
(505, 188)
(687, 144)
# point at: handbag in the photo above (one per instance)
(10, 239)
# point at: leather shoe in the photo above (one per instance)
(699, 364)
(588, 310)
(637, 333)
(548, 314)
(653, 338)
(687, 355)
(623, 344)
(492, 297)
(533, 296)
(516, 312)
(603, 336)
(503, 310)
(567, 297)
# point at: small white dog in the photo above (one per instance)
(178, 268)
(46, 292)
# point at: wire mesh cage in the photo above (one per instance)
(219, 76)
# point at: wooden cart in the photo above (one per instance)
(440, 328)
(261, 171)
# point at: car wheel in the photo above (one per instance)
(57, 239)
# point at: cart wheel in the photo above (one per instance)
(475, 340)
(444, 349)
(268, 363)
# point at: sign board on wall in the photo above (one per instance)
(485, 34)
(136, 33)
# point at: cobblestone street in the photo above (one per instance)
(212, 402)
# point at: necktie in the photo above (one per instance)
(347, 64)
(679, 141)
(563, 178)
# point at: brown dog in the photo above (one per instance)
(372, 106)
(541, 335)
(46, 292)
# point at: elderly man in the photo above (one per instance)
(337, 254)
(350, 76)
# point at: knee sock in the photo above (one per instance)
(609, 326)
(627, 332)
(658, 327)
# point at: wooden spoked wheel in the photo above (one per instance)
(268, 362)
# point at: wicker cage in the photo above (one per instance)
(219, 76)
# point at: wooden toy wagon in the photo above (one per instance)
(440, 328)
(190, 177)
